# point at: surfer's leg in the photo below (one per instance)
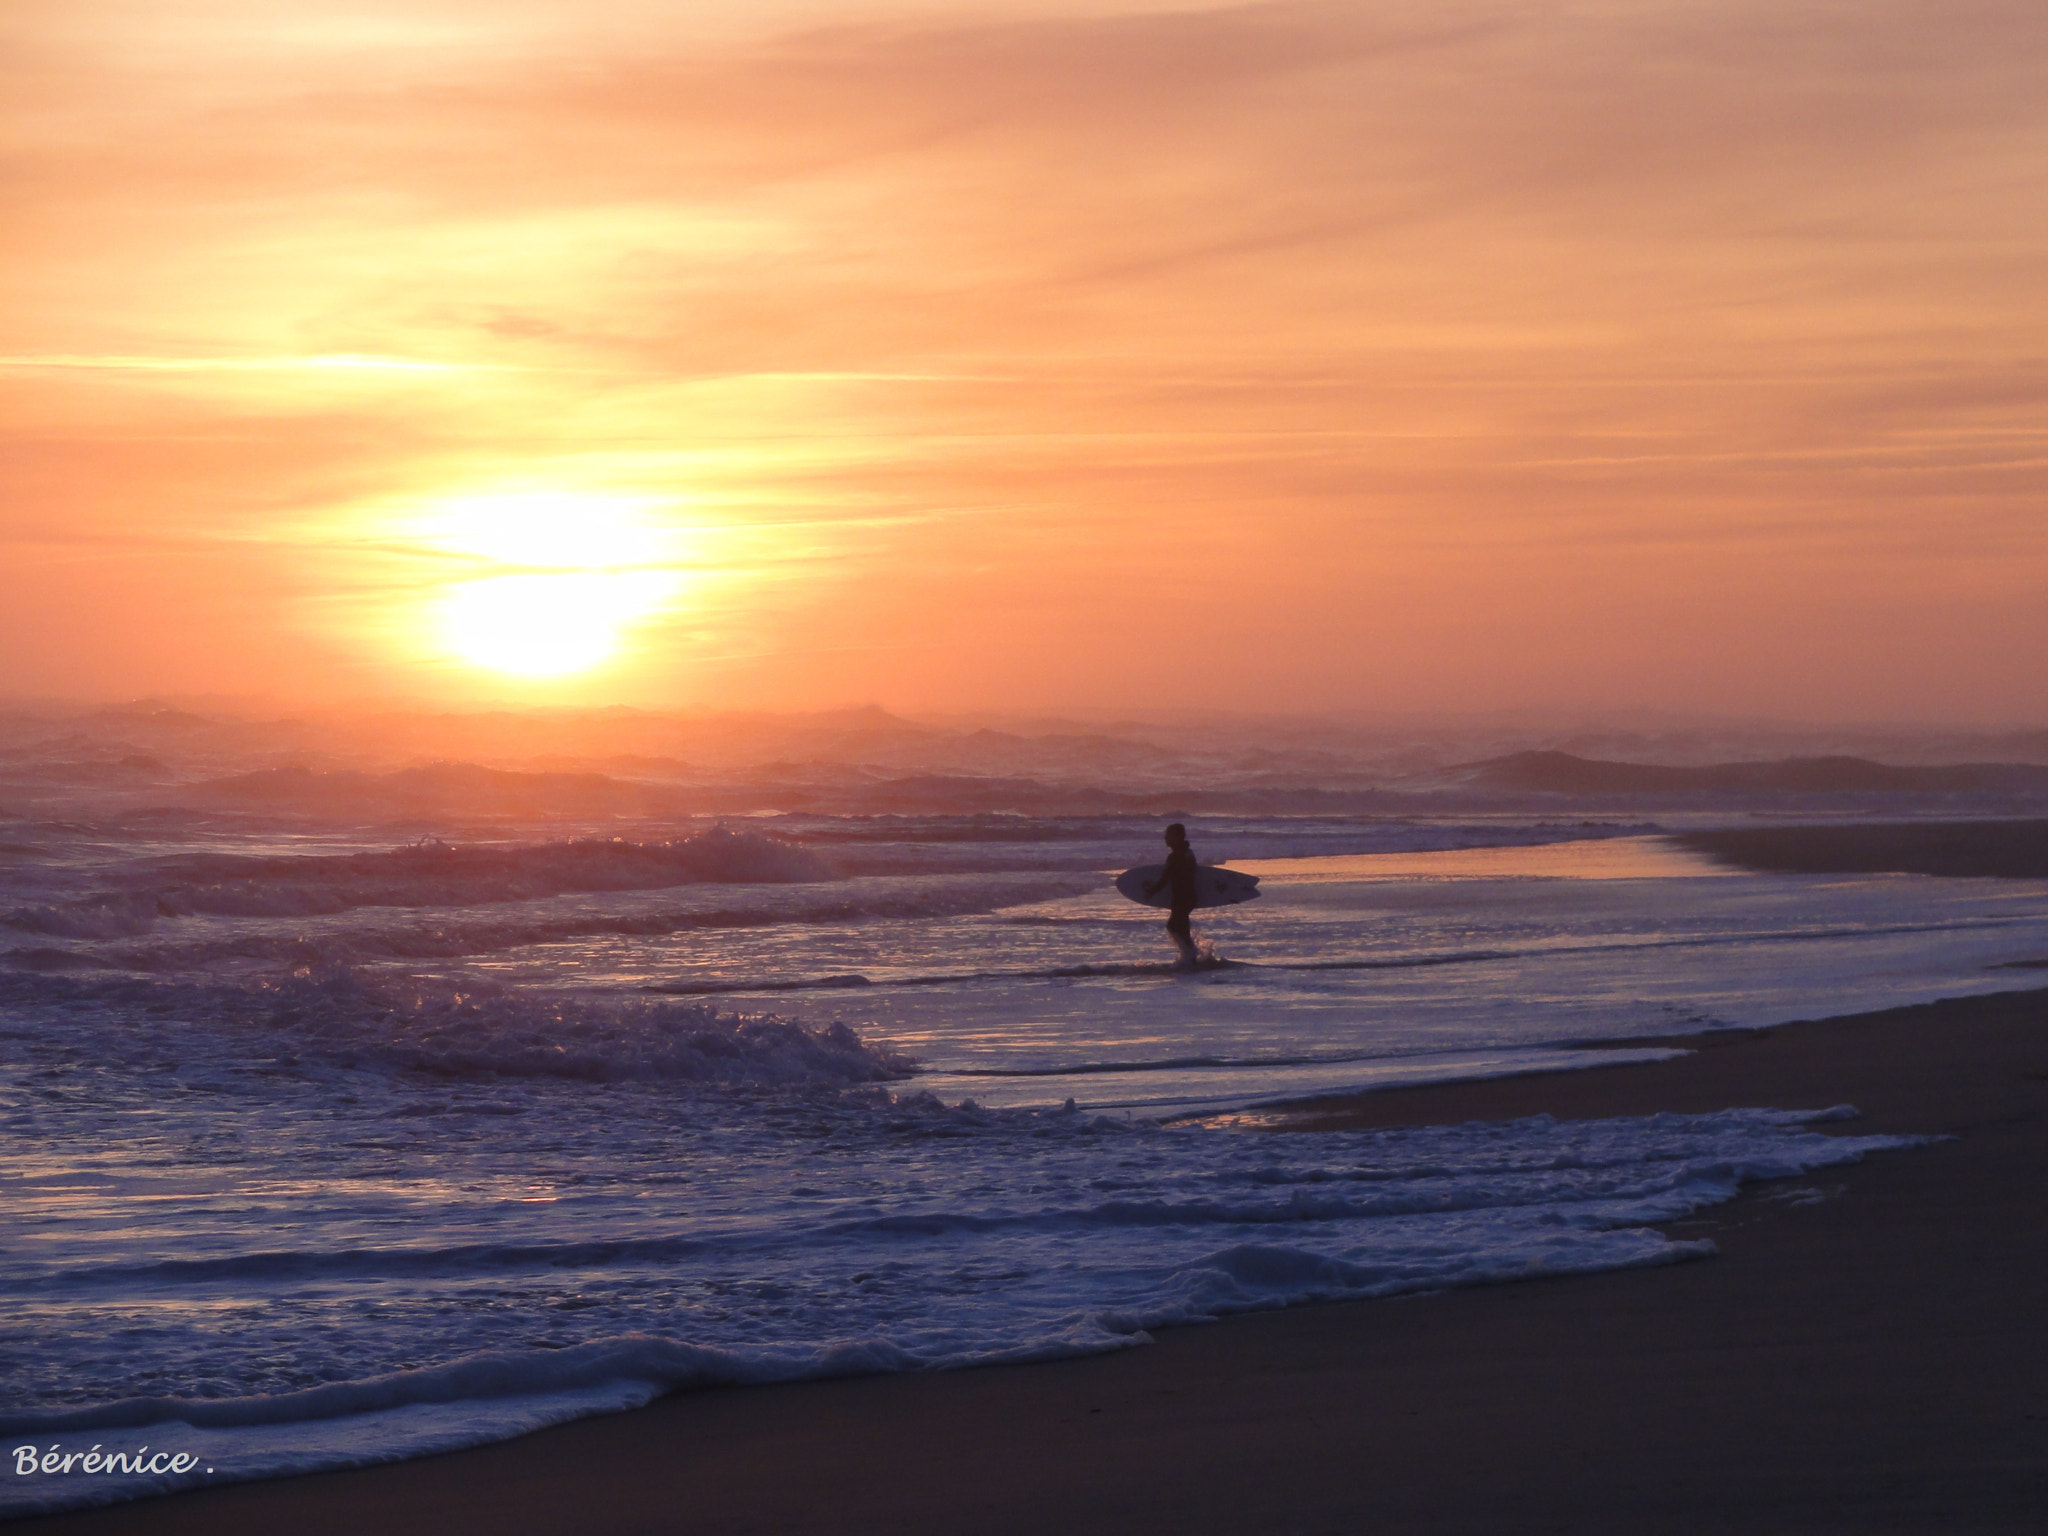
(1183, 936)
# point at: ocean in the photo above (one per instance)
(327, 1147)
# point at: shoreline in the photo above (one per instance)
(2012, 848)
(1867, 1352)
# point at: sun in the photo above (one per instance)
(551, 530)
(547, 626)
(559, 581)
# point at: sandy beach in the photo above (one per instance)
(1867, 1352)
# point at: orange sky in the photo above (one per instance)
(963, 355)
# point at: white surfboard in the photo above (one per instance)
(1214, 887)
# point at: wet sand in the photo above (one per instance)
(1868, 1353)
(2012, 850)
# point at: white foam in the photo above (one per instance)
(340, 1018)
(932, 1237)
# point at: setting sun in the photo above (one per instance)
(553, 580)
(549, 529)
(548, 626)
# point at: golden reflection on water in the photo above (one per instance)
(1614, 858)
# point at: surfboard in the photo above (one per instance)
(1214, 887)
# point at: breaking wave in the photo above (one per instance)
(341, 1020)
(424, 874)
(120, 938)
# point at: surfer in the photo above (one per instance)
(1178, 878)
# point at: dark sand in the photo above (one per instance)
(1876, 1361)
(2005, 849)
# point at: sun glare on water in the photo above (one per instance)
(576, 574)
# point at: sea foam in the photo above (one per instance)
(831, 1236)
(338, 1018)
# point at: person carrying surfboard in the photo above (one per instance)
(1178, 879)
(1181, 885)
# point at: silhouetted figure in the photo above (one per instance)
(1179, 881)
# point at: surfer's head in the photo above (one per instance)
(1176, 835)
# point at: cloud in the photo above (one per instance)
(1474, 300)
(326, 362)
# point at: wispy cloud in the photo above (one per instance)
(323, 362)
(1415, 326)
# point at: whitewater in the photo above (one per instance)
(325, 1147)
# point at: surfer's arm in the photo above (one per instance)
(1181, 862)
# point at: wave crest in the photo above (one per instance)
(425, 874)
(467, 1035)
(337, 1018)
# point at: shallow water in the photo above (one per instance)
(321, 1151)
